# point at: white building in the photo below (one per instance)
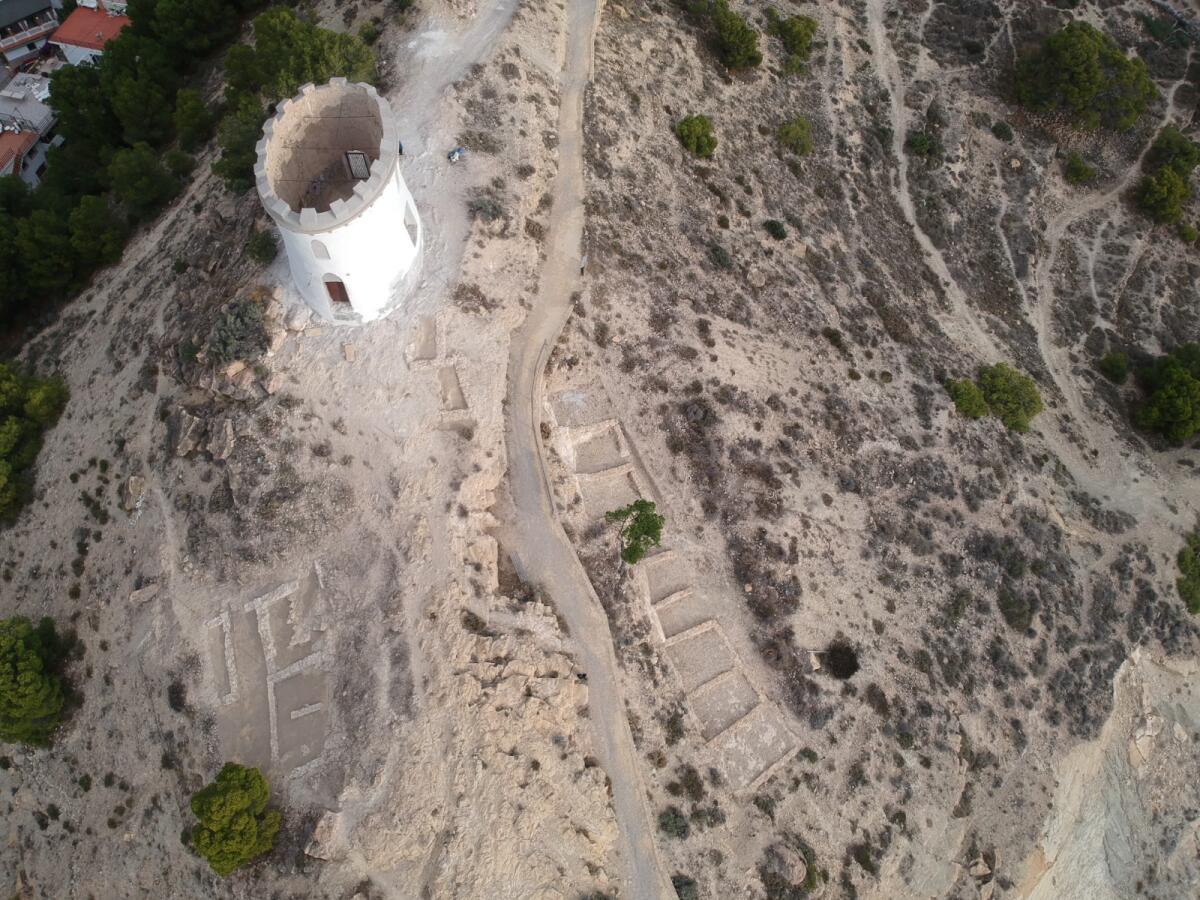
(91, 25)
(328, 173)
(25, 26)
(27, 123)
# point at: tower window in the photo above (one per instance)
(320, 251)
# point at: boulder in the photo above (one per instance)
(184, 432)
(349, 352)
(275, 342)
(144, 594)
(221, 439)
(297, 318)
(132, 493)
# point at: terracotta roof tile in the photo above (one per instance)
(89, 28)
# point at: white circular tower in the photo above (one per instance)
(328, 173)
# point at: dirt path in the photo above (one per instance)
(1112, 475)
(540, 548)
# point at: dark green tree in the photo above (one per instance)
(1013, 398)
(735, 39)
(1083, 72)
(1172, 149)
(235, 825)
(238, 134)
(82, 107)
(1188, 582)
(193, 122)
(43, 238)
(32, 693)
(140, 180)
(1077, 171)
(139, 81)
(967, 397)
(1114, 366)
(291, 52)
(1162, 195)
(97, 232)
(1172, 387)
(696, 134)
(796, 33)
(194, 27)
(642, 529)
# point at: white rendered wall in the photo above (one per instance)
(370, 254)
(77, 56)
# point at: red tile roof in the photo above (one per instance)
(89, 28)
(15, 145)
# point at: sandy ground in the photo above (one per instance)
(373, 561)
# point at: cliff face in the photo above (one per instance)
(1119, 823)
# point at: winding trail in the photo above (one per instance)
(540, 548)
(1144, 492)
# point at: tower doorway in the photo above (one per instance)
(337, 289)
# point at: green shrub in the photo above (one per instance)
(28, 407)
(1003, 131)
(696, 134)
(673, 823)
(1114, 366)
(238, 334)
(262, 247)
(1162, 195)
(1188, 582)
(1172, 388)
(193, 121)
(685, 887)
(735, 39)
(1164, 189)
(775, 229)
(1172, 149)
(370, 32)
(178, 163)
(1187, 233)
(140, 180)
(1012, 397)
(924, 145)
(32, 691)
(642, 529)
(720, 257)
(796, 33)
(796, 135)
(968, 399)
(1083, 72)
(235, 825)
(1015, 607)
(1077, 171)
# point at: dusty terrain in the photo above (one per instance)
(373, 562)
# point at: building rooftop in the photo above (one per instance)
(14, 145)
(89, 28)
(14, 11)
(23, 101)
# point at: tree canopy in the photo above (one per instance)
(642, 529)
(28, 406)
(287, 53)
(32, 692)
(1172, 395)
(235, 825)
(696, 134)
(1008, 395)
(1164, 189)
(1083, 72)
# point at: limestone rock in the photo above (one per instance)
(297, 318)
(276, 342)
(980, 869)
(185, 432)
(349, 352)
(144, 594)
(133, 492)
(327, 841)
(221, 439)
